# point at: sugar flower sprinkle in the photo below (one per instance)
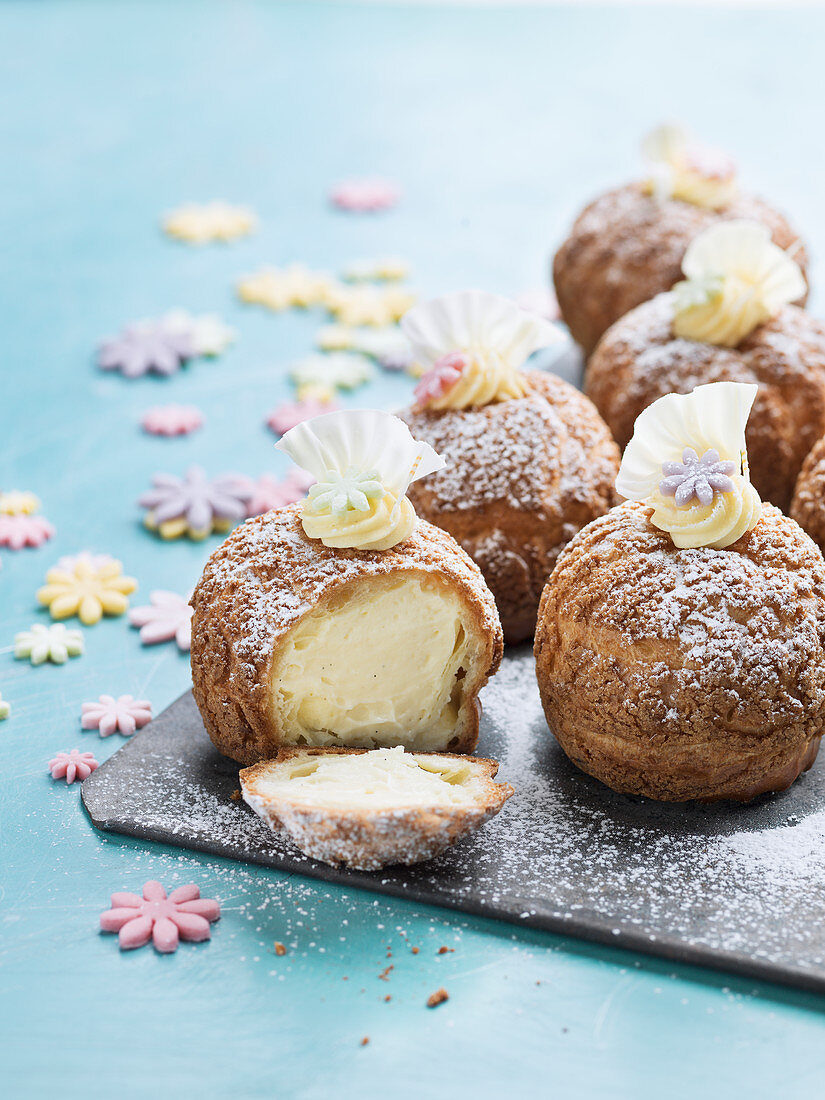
(48, 643)
(697, 477)
(122, 715)
(73, 765)
(87, 592)
(183, 915)
(166, 617)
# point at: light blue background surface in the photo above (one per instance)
(497, 124)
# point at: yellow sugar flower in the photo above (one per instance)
(202, 223)
(366, 304)
(282, 288)
(86, 591)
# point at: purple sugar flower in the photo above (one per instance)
(147, 346)
(696, 477)
(197, 499)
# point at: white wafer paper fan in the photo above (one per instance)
(711, 417)
(744, 249)
(473, 320)
(363, 439)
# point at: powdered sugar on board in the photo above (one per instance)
(737, 887)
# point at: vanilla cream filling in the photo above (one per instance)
(383, 667)
(383, 779)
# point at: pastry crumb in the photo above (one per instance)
(280, 948)
(437, 998)
(365, 1040)
(415, 950)
(384, 976)
(443, 950)
(388, 997)
(236, 795)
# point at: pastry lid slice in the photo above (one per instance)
(368, 808)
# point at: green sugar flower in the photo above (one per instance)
(350, 491)
(48, 643)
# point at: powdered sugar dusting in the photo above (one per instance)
(564, 852)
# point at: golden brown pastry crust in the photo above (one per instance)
(639, 360)
(685, 674)
(522, 477)
(262, 581)
(625, 247)
(808, 504)
(369, 840)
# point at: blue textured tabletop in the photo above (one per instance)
(497, 123)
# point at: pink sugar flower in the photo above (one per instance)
(271, 493)
(364, 196)
(289, 413)
(172, 420)
(440, 378)
(165, 617)
(23, 530)
(183, 915)
(73, 765)
(122, 715)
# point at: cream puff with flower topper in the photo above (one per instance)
(729, 318)
(529, 460)
(628, 244)
(679, 648)
(344, 620)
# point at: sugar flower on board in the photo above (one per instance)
(736, 279)
(363, 462)
(688, 461)
(682, 168)
(471, 345)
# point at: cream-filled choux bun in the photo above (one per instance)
(679, 647)
(529, 460)
(344, 620)
(627, 245)
(728, 320)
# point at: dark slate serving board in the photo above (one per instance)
(738, 888)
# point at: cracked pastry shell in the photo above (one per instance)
(627, 246)
(367, 838)
(685, 674)
(522, 477)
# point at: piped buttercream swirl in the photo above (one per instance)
(682, 168)
(363, 461)
(471, 346)
(698, 501)
(736, 279)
